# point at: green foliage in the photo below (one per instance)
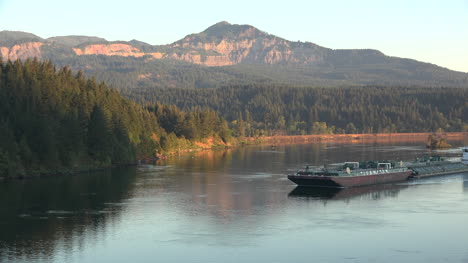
(169, 142)
(255, 110)
(5, 164)
(53, 119)
(8, 150)
(321, 128)
(350, 128)
(197, 124)
(99, 136)
(437, 140)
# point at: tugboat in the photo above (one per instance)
(351, 174)
(464, 159)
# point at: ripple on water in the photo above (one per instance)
(152, 168)
(256, 176)
(59, 212)
(398, 148)
(266, 151)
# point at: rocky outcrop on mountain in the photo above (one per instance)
(242, 44)
(22, 51)
(109, 50)
(222, 44)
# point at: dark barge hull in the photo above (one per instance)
(349, 181)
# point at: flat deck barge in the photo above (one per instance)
(436, 169)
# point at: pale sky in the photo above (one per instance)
(433, 31)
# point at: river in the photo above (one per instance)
(236, 205)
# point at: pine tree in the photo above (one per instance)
(99, 136)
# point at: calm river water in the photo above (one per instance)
(236, 206)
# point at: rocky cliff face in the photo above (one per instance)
(124, 50)
(222, 44)
(227, 44)
(22, 51)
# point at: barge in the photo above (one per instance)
(350, 174)
(435, 166)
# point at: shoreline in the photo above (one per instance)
(267, 140)
(352, 138)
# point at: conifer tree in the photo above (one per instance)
(99, 136)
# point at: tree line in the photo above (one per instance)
(261, 109)
(53, 120)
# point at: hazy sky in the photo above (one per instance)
(432, 31)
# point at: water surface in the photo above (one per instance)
(236, 206)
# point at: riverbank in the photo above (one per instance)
(351, 138)
(217, 143)
(214, 144)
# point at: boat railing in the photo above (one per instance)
(424, 164)
(373, 171)
(355, 172)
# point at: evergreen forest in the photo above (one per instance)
(265, 110)
(52, 120)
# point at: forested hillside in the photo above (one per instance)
(52, 120)
(255, 110)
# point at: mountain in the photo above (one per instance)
(72, 41)
(242, 44)
(9, 38)
(226, 53)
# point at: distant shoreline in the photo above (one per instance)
(352, 138)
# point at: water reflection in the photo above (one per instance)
(465, 182)
(375, 192)
(213, 203)
(201, 161)
(40, 216)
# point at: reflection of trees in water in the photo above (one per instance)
(226, 183)
(201, 161)
(39, 215)
(230, 199)
(375, 192)
(309, 153)
(326, 153)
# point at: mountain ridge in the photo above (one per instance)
(232, 48)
